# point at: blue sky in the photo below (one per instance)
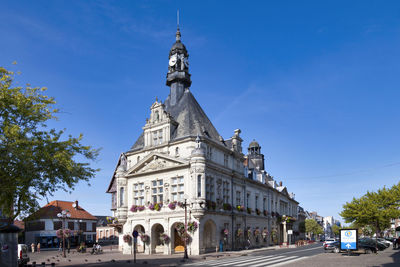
(316, 83)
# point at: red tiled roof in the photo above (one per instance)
(19, 224)
(54, 207)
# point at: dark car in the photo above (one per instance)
(372, 242)
(335, 247)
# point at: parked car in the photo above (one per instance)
(328, 241)
(22, 256)
(362, 247)
(372, 242)
(384, 241)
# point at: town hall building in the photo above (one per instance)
(181, 158)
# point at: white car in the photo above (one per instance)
(22, 255)
(328, 241)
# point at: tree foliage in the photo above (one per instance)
(302, 227)
(312, 227)
(335, 229)
(35, 161)
(374, 210)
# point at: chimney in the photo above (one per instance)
(76, 204)
(280, 183)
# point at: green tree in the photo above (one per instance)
(35, 161)
(374, 209)
(335, 229)
(313, 228)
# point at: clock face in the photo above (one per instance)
(186, 61)
(172, 60)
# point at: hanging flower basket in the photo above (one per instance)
(265, 213)
(192, 227)
(225, 232)
(172, 205)
(180, 204)
(265, 233)
(180, 228)
(227, 206)
(258, 212)
(239, 232)
(256, 232)
(164, 238)
(127, 238)
(240, 208)
(273, 214)
(249, 210)
(66, 233)
(145, 238)
(249, 232)
(112, 220)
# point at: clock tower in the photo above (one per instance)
(178, 77)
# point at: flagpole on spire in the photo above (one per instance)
(178, 33)
(177, 18)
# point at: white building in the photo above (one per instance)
(180, 155)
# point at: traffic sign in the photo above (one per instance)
(290, 232)
(135, 233)
(348, 239)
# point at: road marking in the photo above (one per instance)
(243, 263)
(274, 261)
(287, 262)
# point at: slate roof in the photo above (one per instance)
(191, 119)
(54, 207)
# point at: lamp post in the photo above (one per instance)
(63, 215)
(185, 254)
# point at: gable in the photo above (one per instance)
(156, 162)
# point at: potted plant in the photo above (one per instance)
(164, 238)
(265, 213)
(127, 238)
(172, 205)
(227, 206)
(249, 210)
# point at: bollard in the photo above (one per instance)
(34, 264)
(43, 264)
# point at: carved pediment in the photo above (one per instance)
(156, 162)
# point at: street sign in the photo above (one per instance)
(289, 232)
(348, 239)
(135, 233)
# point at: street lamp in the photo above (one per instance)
(185, 254)
(64, 215)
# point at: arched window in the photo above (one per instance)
(199, 186)
(156, 116)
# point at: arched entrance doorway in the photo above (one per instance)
(209, 236)
(156, 245)
(177, 242)
(141, 247)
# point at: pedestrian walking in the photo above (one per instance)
(33, 247)
(60, 247)
(38, 247)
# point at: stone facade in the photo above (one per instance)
(180, 158)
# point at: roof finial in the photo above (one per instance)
(178, 33)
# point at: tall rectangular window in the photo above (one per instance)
(157, 190)
(138, 194)
(248, 200)
(225, 160)
(238, 198)
(256, 200)
(177, 188)
(121, 196)
(225, 192)
(209, 188)
(264, 203)
(199, 186)
(160, 136)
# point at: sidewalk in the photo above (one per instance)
(116, 258)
